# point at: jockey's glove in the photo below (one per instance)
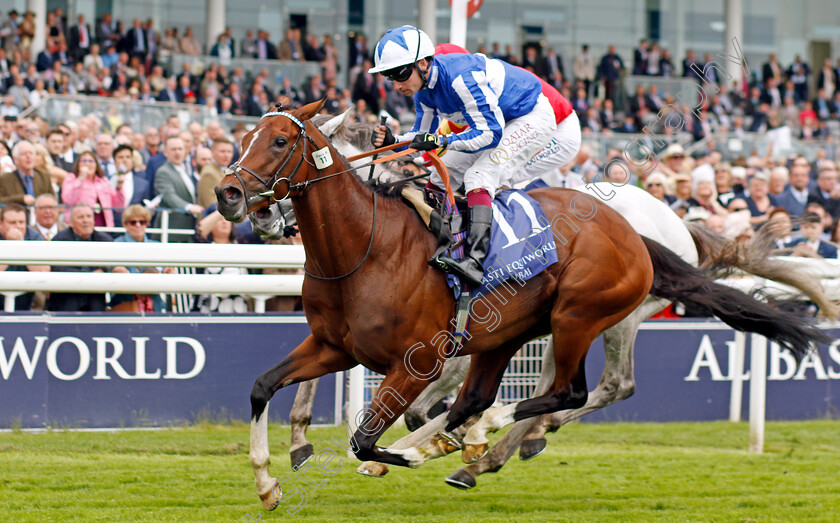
(428, 142)
(389, 137)
(289, 231)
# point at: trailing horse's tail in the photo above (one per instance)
(674, 279)
(721, 256)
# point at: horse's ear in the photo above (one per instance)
(333, 124)
(308, 111)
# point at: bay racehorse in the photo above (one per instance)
(371, 298)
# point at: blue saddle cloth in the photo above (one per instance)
(521, 242)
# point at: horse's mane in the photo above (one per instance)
(352, 132)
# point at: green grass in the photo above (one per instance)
(590, 472)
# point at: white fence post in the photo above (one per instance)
(736, 371)
(758, 390)
(355, 398)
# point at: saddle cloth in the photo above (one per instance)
(521, 242)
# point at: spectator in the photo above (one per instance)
(13, 227)
(212, 173)
(610, 71)
(329, 62)
(716, 223)
(189, 44)
(105, 154)
(795, 196)
(683, 200)
(133, 185)
(136, 219)
(248, 45)
(640, 58)
(88, 184)
(177, 187)
(827, 192)
(47, 224)
(81, 229)
(810, 245)
(779, 227)
(736, 226)
(222, 233)
(759, 201)
(584, 68)
(265, 50)
(44, 163)
(222, 49)
(24, 184)
(79, 39)
(655, 185)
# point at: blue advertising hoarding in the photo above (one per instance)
(88, 370)
(67, 370)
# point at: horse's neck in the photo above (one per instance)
(335, 217)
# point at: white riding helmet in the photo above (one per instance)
(401, 46)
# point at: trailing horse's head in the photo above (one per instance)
(276, 154)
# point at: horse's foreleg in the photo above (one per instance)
(301, 450)
(311, 359)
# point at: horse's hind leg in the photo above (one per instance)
(311, 359)
(301, 416)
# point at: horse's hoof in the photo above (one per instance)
(445, 445)
(531, 448)
(473, 453)
(271, 499)
(301, 455)
(372, 469)
(461, 479)
(449, 439)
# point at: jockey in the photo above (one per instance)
(564, 145)
(508, 121)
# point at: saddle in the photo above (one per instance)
(443, 224)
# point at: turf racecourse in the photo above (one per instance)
(590, 472)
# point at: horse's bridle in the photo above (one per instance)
(275, 179)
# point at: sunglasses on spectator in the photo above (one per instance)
(399, 74)
(736, 209)
(137, 222)
(654, 185)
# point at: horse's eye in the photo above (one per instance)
(280, 141)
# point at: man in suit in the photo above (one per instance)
(79, 39)
(169, 93)
(265, 50)
(827, 192)
(44, 61)
(134, 187)
(810, 244)
(553, 68)
(25, 184)
(795, 196)
(175, 182)
(81, 230)
(213, 172)
(138, 41)
(772, 69)
(55, 146)
(46, 217)
(13, 227)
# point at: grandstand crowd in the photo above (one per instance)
(67, 180)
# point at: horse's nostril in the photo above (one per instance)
(262, 213)
(231, 193)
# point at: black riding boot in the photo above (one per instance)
(471, 267)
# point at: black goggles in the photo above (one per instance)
(399, 74)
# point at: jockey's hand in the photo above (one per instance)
(289, 231)
(382, 136)
(428, 142)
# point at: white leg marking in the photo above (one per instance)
(492, 420)
(259, 453)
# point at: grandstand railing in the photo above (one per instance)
(298, 73)
(259, 286)
(139, 115)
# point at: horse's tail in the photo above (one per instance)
(721, 256)
(676, 280)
